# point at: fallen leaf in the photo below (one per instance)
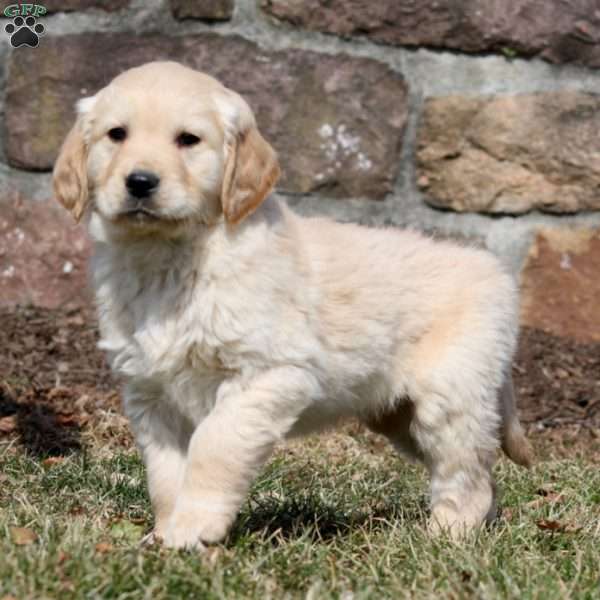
(51, 461)
(549, 524)
(104, 547)
(8, 424)
(552, 525)
(62, 557)
(67, 419)
(547, 497)
(508, 514)
(22, 536)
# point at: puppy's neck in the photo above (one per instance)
(214, 252)
(146, 251)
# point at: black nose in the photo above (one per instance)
(141, 184)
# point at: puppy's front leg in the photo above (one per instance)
(163, 438)
(227, 450)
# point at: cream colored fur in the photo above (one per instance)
(237, 323)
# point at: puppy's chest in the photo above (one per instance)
(162, 331)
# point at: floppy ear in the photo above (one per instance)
(69, 177)
(251, 168)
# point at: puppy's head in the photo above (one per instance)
(163, 146)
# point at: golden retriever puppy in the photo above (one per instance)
(237, 323)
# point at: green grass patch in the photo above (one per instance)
(334, 517)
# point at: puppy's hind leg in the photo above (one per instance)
(459, 450)
(462, 487)
(462, 494)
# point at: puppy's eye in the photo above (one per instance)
(117, 134)
(187, 139)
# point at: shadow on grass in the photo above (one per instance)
(293, 518)
(41, 431)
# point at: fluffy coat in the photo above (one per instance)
(237, 323)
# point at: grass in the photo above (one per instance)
(333, 517)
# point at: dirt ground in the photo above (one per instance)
(55, 384)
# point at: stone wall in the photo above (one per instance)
(470, 118)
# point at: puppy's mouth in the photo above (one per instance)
(140, 214)
(145, 218)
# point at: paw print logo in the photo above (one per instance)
(24, 32)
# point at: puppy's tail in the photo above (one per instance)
(514, 443)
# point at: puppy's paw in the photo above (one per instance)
(191, 525)
(182, 537)
(447, 521)
(453, 531)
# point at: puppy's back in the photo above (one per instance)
(397, 277)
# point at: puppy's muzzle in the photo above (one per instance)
(142, 184)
